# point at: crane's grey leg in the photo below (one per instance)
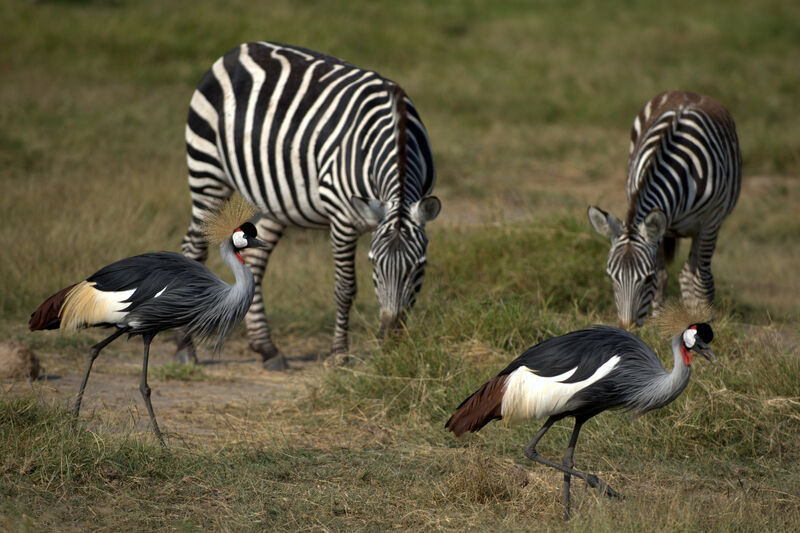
(569, 463)
(343, 242)
(591, 479)
(144, 388)
(94, 351)
(258, 331)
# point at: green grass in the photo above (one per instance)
(179, 372)
(528, 107)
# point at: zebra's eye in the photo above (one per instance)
(650, 279)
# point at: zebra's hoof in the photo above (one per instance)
(186, 356)
(338, 358)
(265, 350)
(276, 363)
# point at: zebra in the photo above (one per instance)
(313, 142)
(684, 176)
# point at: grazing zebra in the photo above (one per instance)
(313, 142)
(684, 175)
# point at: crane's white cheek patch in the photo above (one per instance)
(86, 305)
(690, 337)
(239, 239)
(530, 396)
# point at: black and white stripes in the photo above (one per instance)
(314, 142)
(684, 176)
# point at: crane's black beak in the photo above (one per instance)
(257, 243)
(703, 349)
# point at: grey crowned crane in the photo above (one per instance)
(581, 374)
(149, 293)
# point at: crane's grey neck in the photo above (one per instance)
(225, 305)
(665, 386)
(243, 275)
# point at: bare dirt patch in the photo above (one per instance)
(210, 407)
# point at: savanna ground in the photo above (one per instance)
(528, 107)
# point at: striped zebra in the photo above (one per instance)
(684, 176)
(313, 142)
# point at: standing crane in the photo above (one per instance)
(581, 374)
(148, 293)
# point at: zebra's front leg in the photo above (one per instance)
(697, 282)
(661, 280)
(205, 201)
(343, 242)
(258, 331)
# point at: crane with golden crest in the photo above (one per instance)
(580, 375)
(149, 293)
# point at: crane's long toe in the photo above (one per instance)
(595, 482)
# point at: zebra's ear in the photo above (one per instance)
(604, 223)
(654, 226)
(425, 210)
(371, 210)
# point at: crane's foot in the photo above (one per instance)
(271, 358)
(595, 482)
(157, 433)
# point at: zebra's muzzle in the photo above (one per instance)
(390, 323)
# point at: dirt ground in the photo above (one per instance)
(206, 409)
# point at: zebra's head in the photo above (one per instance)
(631, 261)
(397, 252)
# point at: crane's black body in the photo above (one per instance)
(146, 294)
(185, 281)
(580, 375)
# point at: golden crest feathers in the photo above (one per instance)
(232, 214)
(674, 316)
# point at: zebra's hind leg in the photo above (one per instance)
(208, 194)
(343, 242)
(258, 331)
(697, 282)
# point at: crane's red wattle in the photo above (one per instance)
(687, 357)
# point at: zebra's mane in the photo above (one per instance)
(400, 118)
(672, 117)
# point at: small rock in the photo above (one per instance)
(17, 361)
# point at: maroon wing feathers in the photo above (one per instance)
(46, 315)
(480, 408)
